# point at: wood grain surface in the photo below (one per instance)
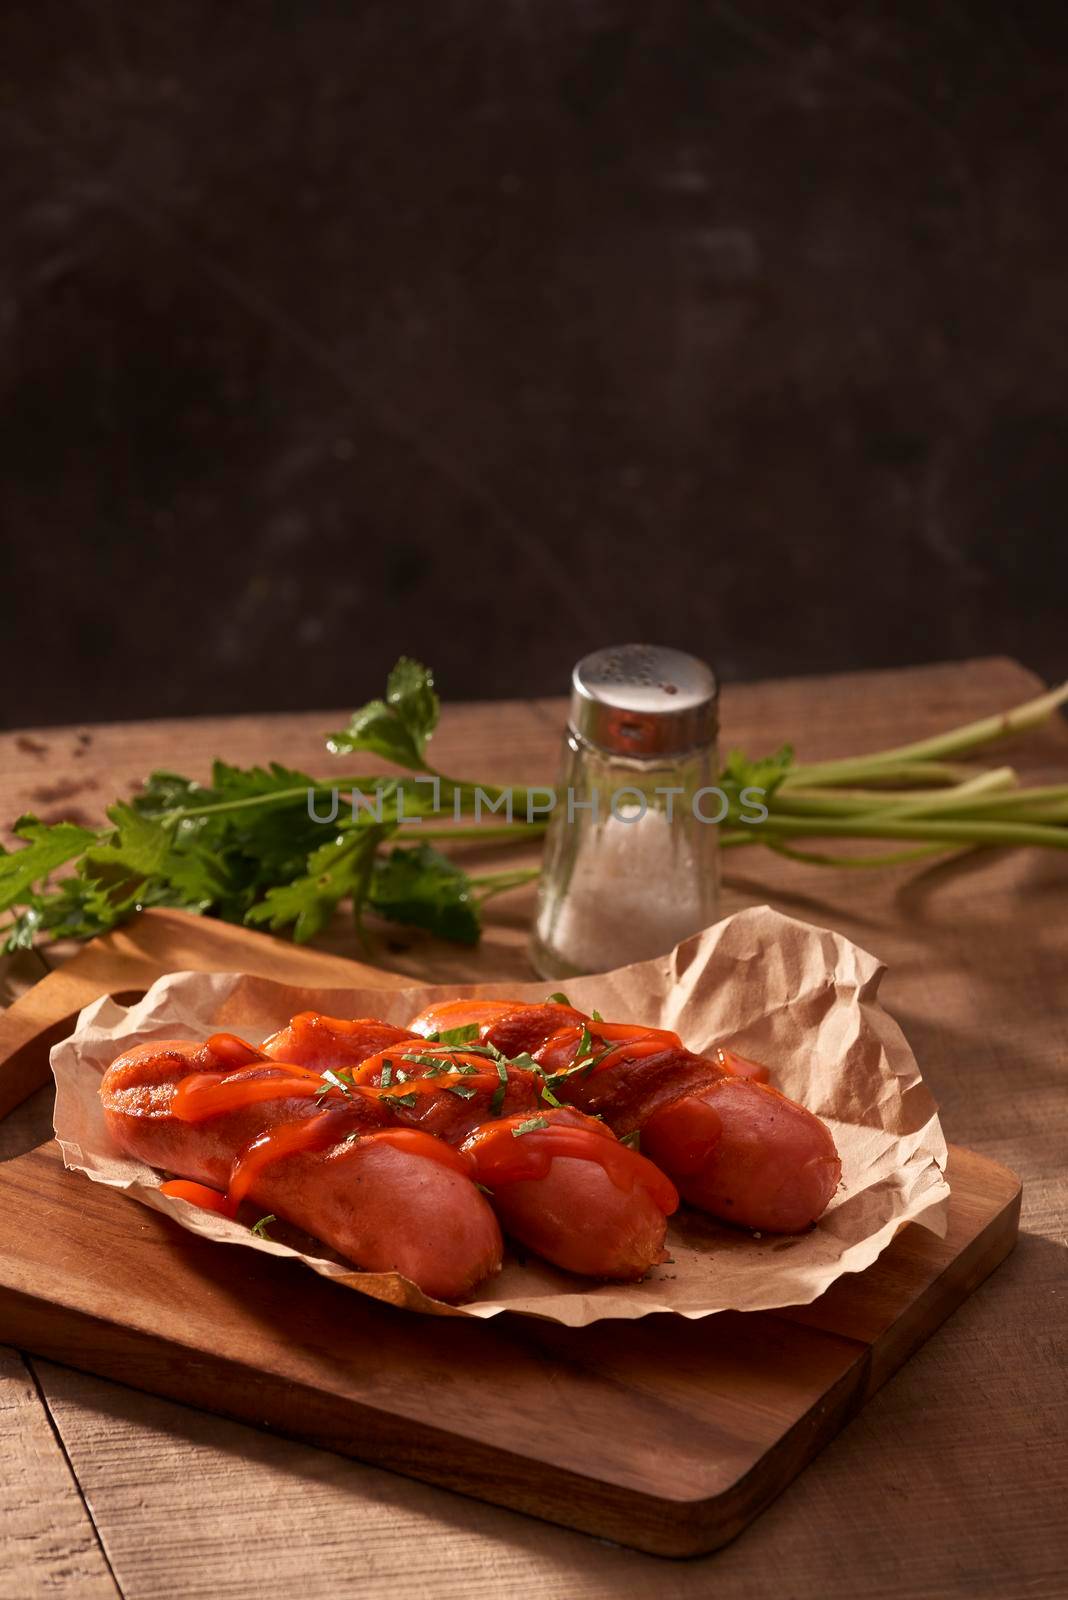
(951, 1482)
(42, 1515)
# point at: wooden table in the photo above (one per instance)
(954, 1479)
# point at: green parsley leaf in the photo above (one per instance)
(342, 1081)
(488, 1050)
(339, 868)
(501, 1090)
(410, 695)
(168, 791)
(442, 1063)
(581, 1066)
(246, 783)
(399, 726)
(136, 850)
(387, 1074)
(407, 1100)
(74, 909)
(465, 1090)
(260, 1228)
(421, 887)
(454, 1036)
(559, 998)
(597, 1017)
(766, 773)
(529, 1126)
(48, 845)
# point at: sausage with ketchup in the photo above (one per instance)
(240, 1126)
(732, 1144)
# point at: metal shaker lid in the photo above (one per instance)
(644, 700)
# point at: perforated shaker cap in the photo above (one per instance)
(644, 700)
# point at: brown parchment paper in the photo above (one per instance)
(799, 998)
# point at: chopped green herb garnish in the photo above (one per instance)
(597, 1017)
(474, 1050)
(387, 1074)
(446, 1064)
(465, 1035)
(558, 999)
(588, 1065)
(579, 1068)
(548, 1096)
(342, 1081)
(260, 1228)
(408, 1100)
(529, 1126)
(501, 1090)
(464, 1090)
(632, 1140)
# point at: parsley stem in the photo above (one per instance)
(450, 789)
(868, 772)
(489, 792)
(276, 797)
(958, 741)
(492, 883)
(777, 828)
(891, 858)
(896, 802)
(505, 830)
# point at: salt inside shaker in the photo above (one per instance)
(631, 857)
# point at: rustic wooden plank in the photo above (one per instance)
(47, 1542)
(914, 1498)
(892, 1310)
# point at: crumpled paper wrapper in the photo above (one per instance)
(801, 999)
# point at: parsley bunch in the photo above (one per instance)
(246, 846)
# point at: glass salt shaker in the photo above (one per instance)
(631, 854)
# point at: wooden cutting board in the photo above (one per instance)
(663, 1434)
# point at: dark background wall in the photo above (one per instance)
(491, 332)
